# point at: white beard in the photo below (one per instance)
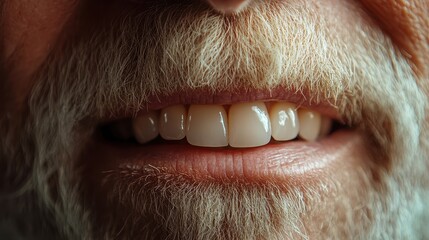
(372, 84)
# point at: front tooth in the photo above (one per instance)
(145, 127)
(249, 125)
(310, 124)
(172, 122)
(207, 126)
(284, 121)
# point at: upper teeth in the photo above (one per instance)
(249, 124)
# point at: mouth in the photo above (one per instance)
(253, 136)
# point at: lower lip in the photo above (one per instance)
(276, 160)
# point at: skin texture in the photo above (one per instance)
(407, 23)
(29, 30)
(55, 55)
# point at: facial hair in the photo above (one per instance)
(164, 50)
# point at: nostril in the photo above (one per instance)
(228, 6)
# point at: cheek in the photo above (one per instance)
(407, 23)
(29, 29)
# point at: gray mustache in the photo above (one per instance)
(169, 50)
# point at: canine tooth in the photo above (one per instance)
(310, 124)
(326, 126)
(249, 125)
(284, 121)
(145, 127)
(172, 122)
(207, 126)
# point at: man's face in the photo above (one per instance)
(214, 120)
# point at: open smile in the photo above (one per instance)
(256, 136)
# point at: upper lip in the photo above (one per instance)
(302, 98)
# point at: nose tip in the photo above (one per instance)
(228, 6)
